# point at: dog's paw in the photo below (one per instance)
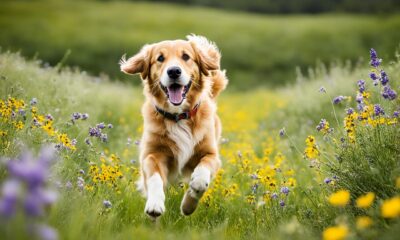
(154, 207)
(199, 181)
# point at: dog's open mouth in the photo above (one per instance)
(176, 93)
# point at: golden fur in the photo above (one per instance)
(188, 147)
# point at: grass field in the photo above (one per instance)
(256, 49)
(271, 186)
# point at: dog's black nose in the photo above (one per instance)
(174, 72)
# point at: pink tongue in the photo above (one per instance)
(175, 94)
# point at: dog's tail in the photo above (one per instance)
(219, 82)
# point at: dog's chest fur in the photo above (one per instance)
(185, 140)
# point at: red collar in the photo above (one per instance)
(178, 116)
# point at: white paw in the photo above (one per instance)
(154, 207)
(199, 181)
(155, 196)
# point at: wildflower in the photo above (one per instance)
(391, 208)
(251, 199)
(361, 85)
(396, 114)
(81, 171)
(137, 142)
(373, 76)
(76, 116)
(101, 125)
(285, 190)
(323, 126)
(87, 141)
(389, 93)
(110, 125)
(311, 152)
(33, 101)
(74, 142)
(85, 116)
(365, 201)
(107, 204)
(282, 132)
(94, 132)
(327, 180)
(80, 183)
(375, 61)
(45, 232)
(281, 203)
(274, 195)
(338, 99)
(378, 110)
(363, 222)
(384, 78)
(104, 137)
(322, 90)
(49, 117)
(339, 232)
(340, 198)
(32, 173)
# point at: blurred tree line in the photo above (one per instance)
(296, 6)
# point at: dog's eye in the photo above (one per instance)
(185, 57)
(160, 58)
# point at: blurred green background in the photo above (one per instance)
(264, 48)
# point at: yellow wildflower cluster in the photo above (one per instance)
(340, 198)
(207, 198)
(335, 233)
(350, 126)
(105, 174)
(12, 111)
(311, 152)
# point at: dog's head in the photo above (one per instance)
(173, 71)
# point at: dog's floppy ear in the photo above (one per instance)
(208, 55)
(140, 63)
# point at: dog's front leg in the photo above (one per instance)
(199, 182)
(155, 179)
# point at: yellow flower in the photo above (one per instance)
(363, 222)
(391, 208)
(366, 200)
(340, 198)
(3, 133)
(18, 125)
(335, 233)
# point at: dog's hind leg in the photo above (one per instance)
(199, 182)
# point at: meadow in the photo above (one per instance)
(286, 173)
(257, 49)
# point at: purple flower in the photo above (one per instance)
(285, 190)
(74, 142)
(21, 112)
(281, 203)
(389, 93)
(327, 180)
(322, 90)
(76, 116)
(110, 125)
(85, 116)
(10, 193)
(349, 111)
(254, 176)
(321, 125)
(384, 78)
(101, 125)
(375, 61)
(396, 114)
(87, 141)
(137, 142)
(107, 204)
(378, 110)
(373, 76)
(68, 185)
(104, 137)
(338, 99)
(80, 183)
(282, 132)
(94, 132)
(361, 85)
(49, 117)
(31, 172)
(81, 171)
(274, 195)
(33, 101)
(45, 232)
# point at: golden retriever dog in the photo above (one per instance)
(182, 79)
